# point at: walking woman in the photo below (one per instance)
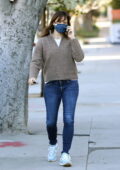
(56, 53)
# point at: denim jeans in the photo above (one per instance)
(54, 92)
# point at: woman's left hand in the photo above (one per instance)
(70, 32)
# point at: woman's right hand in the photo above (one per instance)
(32, 81)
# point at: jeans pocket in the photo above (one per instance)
(73, 83)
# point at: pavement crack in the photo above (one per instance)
(91, 122)
(92, 149)
(82, 135)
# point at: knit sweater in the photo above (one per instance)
(57, 62)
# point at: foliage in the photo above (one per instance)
(115, 4)
(66, 5)
(95, 13)
(116, 21)
(77, 6)
(82, 33)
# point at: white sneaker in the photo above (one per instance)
(52, 152)
(65, 160)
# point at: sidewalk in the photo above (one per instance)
(100, 94)
(96, 144)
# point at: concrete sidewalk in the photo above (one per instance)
(33, 156)
(96, 144)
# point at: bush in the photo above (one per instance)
(85, 34)
(115, 4)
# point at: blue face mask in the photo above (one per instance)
(61, 28)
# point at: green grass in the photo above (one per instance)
(88, 34)
(116, 21)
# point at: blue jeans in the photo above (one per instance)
(54, 92)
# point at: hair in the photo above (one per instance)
(50, 28)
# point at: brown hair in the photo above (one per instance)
(50, 27)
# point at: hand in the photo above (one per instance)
(32, 81)
(70, 32)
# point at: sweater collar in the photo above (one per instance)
(53, 40)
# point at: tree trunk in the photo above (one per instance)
(43, 25)
(87, 21)
(18, 24)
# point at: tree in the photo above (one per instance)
(115, 4)
(66, 5)
(88, 10)
(18, 24)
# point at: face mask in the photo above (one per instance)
(61, 28)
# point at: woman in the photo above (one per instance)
(56, 53)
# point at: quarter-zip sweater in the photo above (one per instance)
(57, 62)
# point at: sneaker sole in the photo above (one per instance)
(66, 165)
(52, 160)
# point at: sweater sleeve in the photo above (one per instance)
(37, 60)
(77, 52)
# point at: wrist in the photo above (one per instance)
(72, 36)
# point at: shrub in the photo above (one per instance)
(115, 4)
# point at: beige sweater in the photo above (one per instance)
(58, 63)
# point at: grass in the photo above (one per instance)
(116, 21)
(88, 34)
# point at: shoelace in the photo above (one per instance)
(52, 150)
(66, 157)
